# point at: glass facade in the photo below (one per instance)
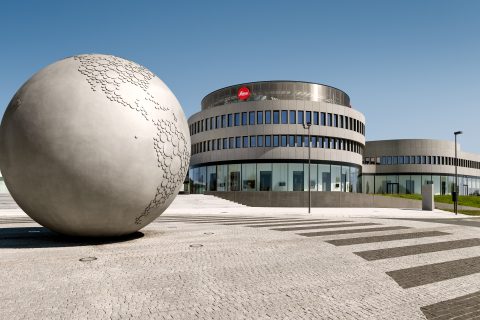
(412, 183)
(274, 177)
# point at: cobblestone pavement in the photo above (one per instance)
(236, 266)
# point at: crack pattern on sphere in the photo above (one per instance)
(173, 157)
(112, 75)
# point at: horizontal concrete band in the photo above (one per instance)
(418, 276)
(319, 199)
(390, 237)
(330, 233)
(464, 307)
(417, 249)
(331, 226)
(304, 222)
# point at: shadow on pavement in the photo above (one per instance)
(39, 237)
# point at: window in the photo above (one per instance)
(230, 119)
(314, 141)
(268, 117)
(329, 119)
(383, 160)
(291, 141)
(245, 142)
(323, 119)
(238, 142)
(237, 119)
(293, 117)
(300, 117)
(332, 143)
(394, 160)
(268, 141)
(251, 116)
(320, 142)
(209, 145)
(253, 140)
(341, 121)
(275, 140)
(259, 141)
(284, 117)
(201, 125)
(299, 141)
(224, 121)
(305, 141)
(308, 117)
(400, 160)
(283, 140)
(335, 120)
(259, 117)
(244, 118)
(225, 143)
(276, 117)
(217, 121)
(351, 124)
(346, 122)
(231, 142)
(315, 118)
(219, 144)
(424, 160)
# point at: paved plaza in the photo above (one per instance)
(207, 258)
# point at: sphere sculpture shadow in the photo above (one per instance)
(94, 145)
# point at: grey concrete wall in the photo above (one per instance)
(319, 199)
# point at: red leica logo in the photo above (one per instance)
(243, 93)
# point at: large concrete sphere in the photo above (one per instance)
(94, 145)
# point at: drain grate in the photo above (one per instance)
(208, 233)
(87, 259)
(196, 245)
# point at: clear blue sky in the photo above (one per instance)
(412, 67)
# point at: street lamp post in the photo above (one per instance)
(307, 126)
(455, 197)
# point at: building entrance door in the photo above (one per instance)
(235, 181)
(298, 181)
(392, 188)
(265, 180)
(212, 185)
(410, 186)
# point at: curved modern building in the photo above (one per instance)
(403, 166)
(255, 137)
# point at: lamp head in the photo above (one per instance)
(458, 132)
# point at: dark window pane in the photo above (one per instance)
(323, 120)
(299, 141)
(314, 141)
(251, 116)
(341, 121)
(245, 142)
(275, 140)
(300, 117)
(284, 116)
(329, 119)
(238, 142)
(305, 141)
(284, 141)
(268, 117)
(217, 121)
(276, 117)
(237, 119)
(315, 118)
(259, 141)
(225, 143)
(293, 117)
(253, 141)
(230, 119)
(268, 141)
(346, 122)
(231, 142)
(335, 120)
(224, 121)
(308, 117)
(291, 141)
(244, 118)
(259, 117)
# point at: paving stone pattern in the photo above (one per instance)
(239, 267)
(417, 249)
(461, 308)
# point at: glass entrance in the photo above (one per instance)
(265, 180)
(235, 181)
(212, 185)
(410, 186)
(298, 181)
(392, 188)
